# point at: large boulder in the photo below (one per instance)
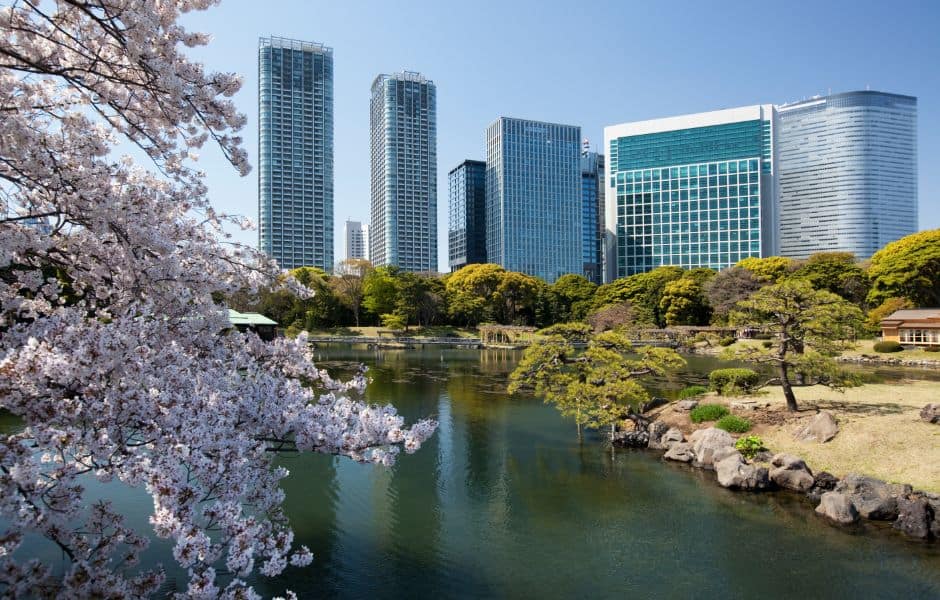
(734, 472)
(931, 413)
(837, 507)
(680, 451)
(914, 516)
(821, 428)
(874, 499)
(686, 405)
(656, 432)
(706, 443)
(790, 472)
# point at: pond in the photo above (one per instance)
(505, 501)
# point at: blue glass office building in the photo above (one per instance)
(466, 235)
(592, 214)
(691, 191)
(533, 197)
(403, 119)
(848, 173)
(295, 147)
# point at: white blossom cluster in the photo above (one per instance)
(112, 351)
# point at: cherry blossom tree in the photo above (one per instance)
(112, 352)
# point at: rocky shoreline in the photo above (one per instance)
(869, 359)
(914, 513)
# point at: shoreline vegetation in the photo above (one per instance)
(861, 354)
(881, 434)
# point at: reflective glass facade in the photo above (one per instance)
(533, 197)
(295, 146)
(592, 214)
(694, 191)
(404, 172)
(466, 236)
(848, 173)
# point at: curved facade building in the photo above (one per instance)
(403, 117)
(847, 172)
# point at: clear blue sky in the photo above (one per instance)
(582, 63)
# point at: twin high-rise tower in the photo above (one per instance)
(295, 175)
(295, 148)
(403, 126)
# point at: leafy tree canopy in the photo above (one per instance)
(909, 268)
(809, 326)
(770, 269)
(598, 387)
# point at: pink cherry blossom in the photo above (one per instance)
(112, 350)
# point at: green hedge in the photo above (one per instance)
(726, 341)
(728, 382)
(708, 412)
(887, 347)
(733, 424)
(692, 391)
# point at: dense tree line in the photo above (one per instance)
(903, 274)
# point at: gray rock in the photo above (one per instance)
(686, 405)
(790, 472)
(734, 472)
(821, 428)
(763, 456)
(931, 413)
(707, 442)
(631, 439)
(914, 516)
(680, 451)
(822, 482)
(934, 501)
(673, 435)
(837, 507)
(657, 431)
(874, 499)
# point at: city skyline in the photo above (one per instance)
(471, 96)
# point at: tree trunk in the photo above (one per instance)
(787, 388)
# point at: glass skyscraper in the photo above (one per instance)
(295, 147)
(691, 191)
(403, 118)
(466, 235)
(848, 173)
(592, 213)
(533, 197)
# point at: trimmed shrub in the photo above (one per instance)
(749, 445)
(733, 424)
(728, 382)
(692, 391)
(767, 344)
(931, 348)
(708, 412)
(726, 341)
(887, 347)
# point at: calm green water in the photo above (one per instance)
(505, 502)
